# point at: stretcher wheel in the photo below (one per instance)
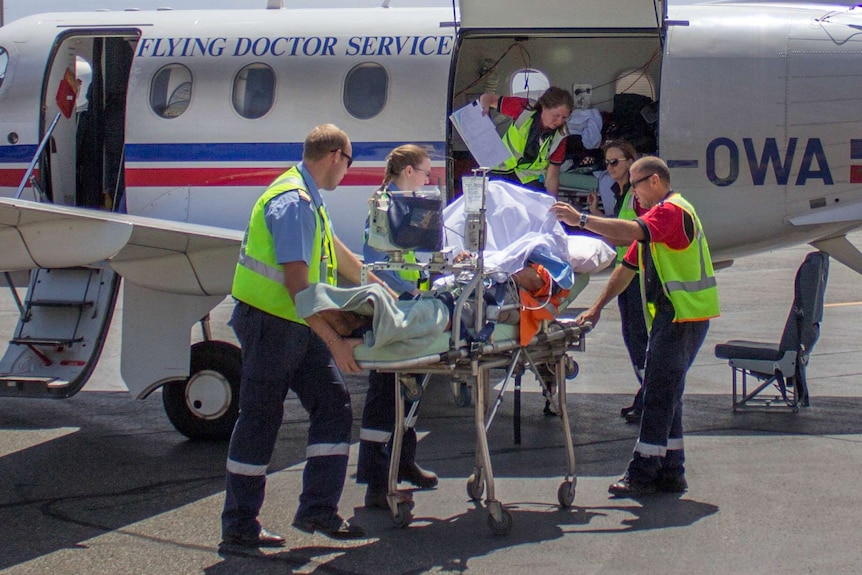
(504, 525)
(566, 494)
(403, 516)
(462, 394)
(410, 389)
(572, 368)
(475, 485)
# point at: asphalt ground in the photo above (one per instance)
(102, 484)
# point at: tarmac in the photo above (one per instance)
(102, 484)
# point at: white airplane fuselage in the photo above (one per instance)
(182, 118)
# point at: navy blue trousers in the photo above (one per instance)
(278, 356)
(634, 329)
(378, 424)
(671, 351)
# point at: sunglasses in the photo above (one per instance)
(634, 183)
(346, 155)
(614, 161)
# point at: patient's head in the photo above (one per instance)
(528, 279)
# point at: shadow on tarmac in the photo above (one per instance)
(120, 462)
(466, 538)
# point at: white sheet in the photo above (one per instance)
(518, 222)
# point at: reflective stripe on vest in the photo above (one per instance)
(259, 279)
(686, 275)
(627, 212)
(515, 140)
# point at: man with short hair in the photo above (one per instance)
(289, 245)
(669, 251)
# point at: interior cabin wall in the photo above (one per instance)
(595, 59)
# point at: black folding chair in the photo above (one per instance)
(781, 365)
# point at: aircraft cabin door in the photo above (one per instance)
(87, 86)
(65, 315)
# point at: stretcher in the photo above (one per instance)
(512, 226)
(455, 355)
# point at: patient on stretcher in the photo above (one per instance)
(349, 323)
(530, 264)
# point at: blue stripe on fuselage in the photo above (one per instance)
(258, 152)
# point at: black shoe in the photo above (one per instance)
(330, 525)
(672, 484)
(634, 416)
(376, 499)
(421, 478)
(626, 487)
(264, 539)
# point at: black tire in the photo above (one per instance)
(566, 494)
(205, 405)
(403, 516)
(475, 486)
(504, 526)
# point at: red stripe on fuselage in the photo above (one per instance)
(261, 177)
(11, 178)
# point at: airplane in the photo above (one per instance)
(753, 106)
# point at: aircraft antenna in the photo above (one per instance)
(274, 4)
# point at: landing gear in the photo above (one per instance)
(206, 404)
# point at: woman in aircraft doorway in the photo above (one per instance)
(536, 137)
(408, 168)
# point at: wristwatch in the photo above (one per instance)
(583, 221)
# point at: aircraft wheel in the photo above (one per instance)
(566, 494)
(403, 516)
(503, 525)
(206, 404)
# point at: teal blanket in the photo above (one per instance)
(404, 328)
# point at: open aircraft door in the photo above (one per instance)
(598, 50)
(66, 312)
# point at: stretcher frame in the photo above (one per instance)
(473, 360)
(465, 361)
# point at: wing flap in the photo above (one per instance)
(158, 254)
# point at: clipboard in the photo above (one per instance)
(480, 135)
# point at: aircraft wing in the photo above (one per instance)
(161, 255)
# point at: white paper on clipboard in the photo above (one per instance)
(480, 135)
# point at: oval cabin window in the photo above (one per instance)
(171, 91)
(365, 90)
(529, 83)
(254, 91)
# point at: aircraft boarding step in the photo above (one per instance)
(60, 303)
(62, 324)
(54, 307)
(26, 385)
(44, 341)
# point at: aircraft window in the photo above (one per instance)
(254, 91)
(365, 90)
(529, 83)
(171, 91)
(4, 61)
